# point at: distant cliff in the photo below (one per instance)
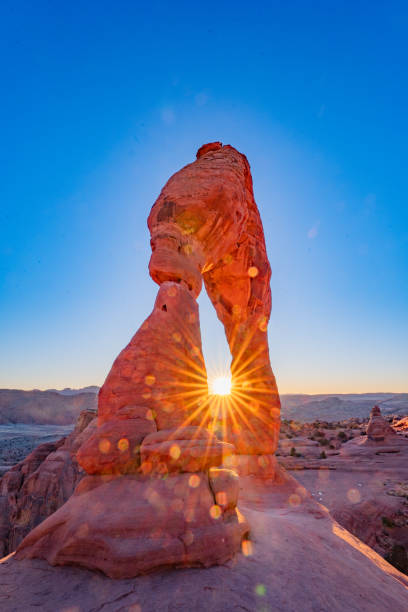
(44, 407)
(53, 407)
(339, 407)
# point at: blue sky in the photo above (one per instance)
(103, 101)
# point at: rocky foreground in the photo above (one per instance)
(297, 557)
(362, 482)
(362, 479)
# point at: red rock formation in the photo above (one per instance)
(401, 426)
(183, 449)
(205, 224)
(128, 525)
(155, 417)
(41, 483)
(378, 429)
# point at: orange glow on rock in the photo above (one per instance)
(246, 548)
(215, 511)
(194, 481)
(104, 446)
(175, 451)
(123, 444)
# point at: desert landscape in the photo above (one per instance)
(359, 483)
(203, 307)
(363, 485)
(177, 478)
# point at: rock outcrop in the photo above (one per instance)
(378, 429)
(298, 558)
(41, 483)
(401, 426)
(157, 494)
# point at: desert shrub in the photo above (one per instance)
(398, 558)
(387, 522)
(322, 455)
(318, 434)
(342, 435)
(324, 442)
(293, 452)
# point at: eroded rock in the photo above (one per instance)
(37, 486)
(378, 429)
(128, 525)
(188, 449)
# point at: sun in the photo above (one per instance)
(220, 385)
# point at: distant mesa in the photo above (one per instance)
(45, 407)
(69, 391)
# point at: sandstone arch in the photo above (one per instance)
(155, 495)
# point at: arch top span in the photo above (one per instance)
(205, 225)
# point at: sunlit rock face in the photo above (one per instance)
(205, 225)
(158, 491)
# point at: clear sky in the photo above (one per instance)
(102, 101)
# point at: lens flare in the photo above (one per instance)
(221, 385)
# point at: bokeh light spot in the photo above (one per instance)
(253, 271)
(104, 446)
(150, 379)
(215, 511)
(175, 451)
(194, 481)
(294, 500)
(353, 496)
(260, 590)
(123, 445)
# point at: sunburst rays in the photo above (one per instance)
(229, 404)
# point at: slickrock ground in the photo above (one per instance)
(298, 559)
(363, 483)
